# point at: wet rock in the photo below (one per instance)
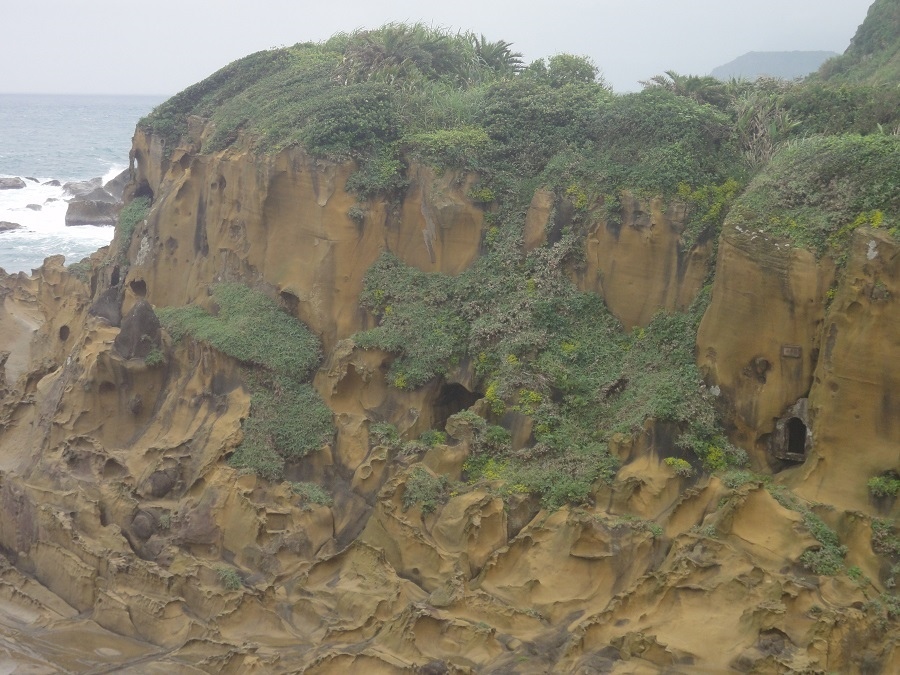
(98, 208)
(14, 183)
(116, 186)
(34, 207)
(109, 306)
(6, 226)
(79, 188)
(52, 183)
(140, 332)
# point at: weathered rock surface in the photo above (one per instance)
(285, 220)
(639, 267)
(6, 226)
(121, 523)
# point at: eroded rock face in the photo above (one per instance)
(760, 339)
(122, 524)
(286, 220)
(140, 333)
(638, 266)
(854, 400)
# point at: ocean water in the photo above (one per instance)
(63, 138)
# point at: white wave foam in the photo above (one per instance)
(113, 171)
(43, 231)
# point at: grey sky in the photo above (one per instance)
(162, 46)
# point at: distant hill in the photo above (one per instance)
(786, 65)
(873, 56)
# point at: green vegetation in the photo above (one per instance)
(287, 417)
(426, 490)
(680, 466)
(312, 493)
(287, 420)
(637, 524)
(130, 216)
(829, 558)
(155, 357)
(250, 327)
(546, 350)
(82, 270)
(816, 191)
(884, 540)
(884, 486)
(874, 53)
(398, 92)
(229, 578)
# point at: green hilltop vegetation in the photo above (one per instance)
(874, 53)
(818, 156)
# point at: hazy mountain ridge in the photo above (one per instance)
(784, 65)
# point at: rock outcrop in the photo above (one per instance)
(94, 206)
(123, 524)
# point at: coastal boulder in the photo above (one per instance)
(102, 210)
(96, 207)
(79, 188)
(14, 183)
(6, 226)
(116, 186)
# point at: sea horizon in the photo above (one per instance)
(61, 137)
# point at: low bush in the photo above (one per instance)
(680, 466)
(229, 578)
(817, 191)
(132, 214)
(312, 493)
(288, 418)
(426, 490)
(884, 486)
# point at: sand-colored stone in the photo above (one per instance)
(283, 222)
(855, 396)
(120, 519)
(767, 296)
(638, 265)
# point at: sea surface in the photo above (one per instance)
(64, 138)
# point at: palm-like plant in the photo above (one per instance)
(397, 52)
(496, 57)
(703, 89)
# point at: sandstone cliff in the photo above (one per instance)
(442, 528)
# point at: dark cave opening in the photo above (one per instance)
(796, 431)
(139, 287)
(452, 398)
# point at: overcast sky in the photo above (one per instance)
(162, 46)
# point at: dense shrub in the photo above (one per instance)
(287, 416)
(816, 191)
